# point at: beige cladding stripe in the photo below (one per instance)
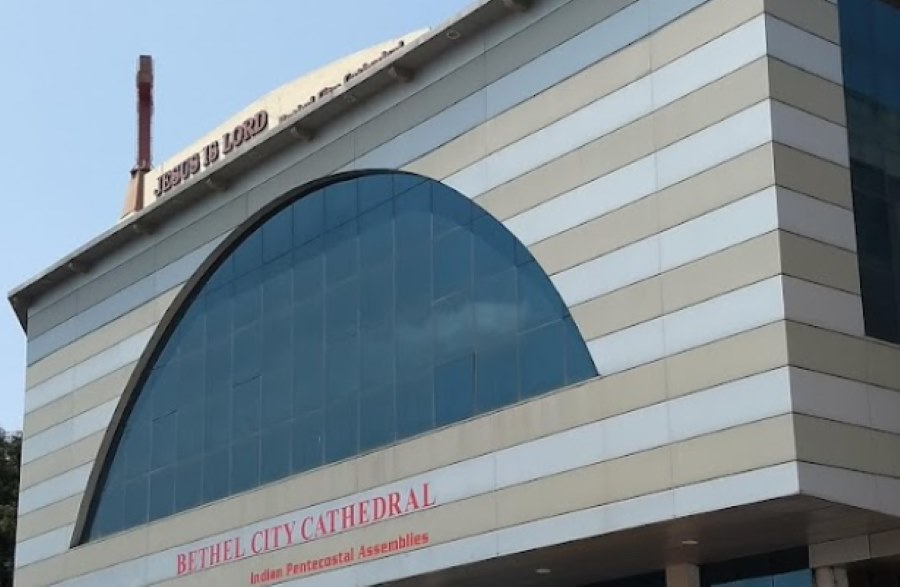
(810, 93)
(606, 483)
(593, 160)
(695, 29)
(707, 191)
(90, 396)
(101, 339)
(67, 461)
(735, 358)
(811, 175)
(723, 453)
(820, 263)
(692, 30)
(439, 97)
(707, 278)
(48, 518)
(704, 279)
(774, 253)
(690, 15)
(664, 127)
(819, 17)
(837, 444)
(58, 462)
(856, 358)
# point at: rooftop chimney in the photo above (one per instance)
(134, 199)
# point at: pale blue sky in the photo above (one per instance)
(68, 111)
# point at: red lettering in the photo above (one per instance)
(304, 533)
(289, 532)
(321, 530)
(332, 514)
(255, 547)
(393, 504)
(347, 517)
(363, 512)
(215, 554)
(427, 498)
(412, 502)
(380, 506)
(182, 564)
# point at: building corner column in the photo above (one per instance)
(683, 575)
(831, 577)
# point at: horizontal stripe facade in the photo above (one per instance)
(637, 28)
(713, 231)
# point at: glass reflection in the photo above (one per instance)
(361, 314)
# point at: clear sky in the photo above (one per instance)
(67, 102)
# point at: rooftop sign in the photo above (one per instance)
(211, 153)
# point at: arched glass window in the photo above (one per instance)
(361, 314)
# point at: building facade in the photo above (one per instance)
(561, 292)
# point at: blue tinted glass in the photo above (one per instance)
(342, 310)
(110, 510)
(307, 441)
(136, 501)
(341, 429)
(496, 307)
(377, 356)
(245, 409)
(162, 493)
(247, 306)
(376, 235)
(870, 48)
(579, 364)
(309, 218)
(163, 440)
(412, 223)
(374, 190)
(248, 255)
(454, 326)
(216, 467)
(247, 353)
(340, 203)
(275, 453)
(277, 284)
(341, 254)
(377, 303)
(497, 377)
(450, 212)
(277, 397)
(244, 464)
(377, 422)
(542, 360)
(309, 270)
(454, 393)
(452, 263)
(413, 280)
(342, 369)
(415, 404)
(278, 235)
(188, 484)
(359, 315)
(495, 246)
(801, 578)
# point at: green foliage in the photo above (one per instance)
(10, 461)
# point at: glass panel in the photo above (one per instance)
(359, 315)
(870, 50)
(454, 394)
